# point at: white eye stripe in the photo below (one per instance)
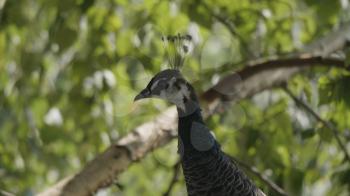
(155, 84)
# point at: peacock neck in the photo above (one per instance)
(189, 111)
(194, 136)
(185, 124)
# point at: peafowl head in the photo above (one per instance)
(169, 84)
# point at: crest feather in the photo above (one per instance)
(176, 48)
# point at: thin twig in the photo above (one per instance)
(120, 186)
(176, 172)
(6, 193)
(325, 123)
(228, 24)
(2, 9)
(261, 176)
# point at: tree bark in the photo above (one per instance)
(253, 79)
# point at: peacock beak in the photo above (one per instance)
(145, 93)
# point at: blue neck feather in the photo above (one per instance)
(185, 124)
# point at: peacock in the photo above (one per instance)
(207, 170)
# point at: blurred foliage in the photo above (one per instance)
(69, 70)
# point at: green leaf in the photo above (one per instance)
(294, 181)
(308, 133)
(325, 134)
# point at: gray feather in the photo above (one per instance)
(201, 138)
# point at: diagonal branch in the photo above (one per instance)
(269, 69)
(261, 176)
(228, 24)
(101, 171)
(249, 81)
(325, 123)
(175, 178)
(5, 193)
(2, 8)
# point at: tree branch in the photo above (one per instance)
(101, 171)
(176, 172)
(325, 123)
(5, 193)
(269, 67)
(261, 176)
(319, 49)
(2, 8)
(228, 24)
